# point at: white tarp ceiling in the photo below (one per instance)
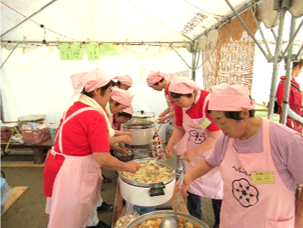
(112, 21)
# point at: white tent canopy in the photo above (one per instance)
(36, 83)
(113, 21)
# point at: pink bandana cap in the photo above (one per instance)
(89, 81)
(226, 97)
(154, 77)
(125, 79)
(122, 96)
(128, 110)
(183, 85)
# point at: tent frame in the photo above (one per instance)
(280, 5)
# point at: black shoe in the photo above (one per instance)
(105, 207)
(216, 225)
(100, 225)
(106, 180)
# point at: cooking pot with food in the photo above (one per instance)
(142, 131)
(152, 185)
(153, 219)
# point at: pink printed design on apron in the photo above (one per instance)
(249, 205)
(77, 184)
(209, 185)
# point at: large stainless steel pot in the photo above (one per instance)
(142, 131)
(139, 193)
(156, 214)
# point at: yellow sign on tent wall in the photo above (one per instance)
(93, 51)
(108, 49)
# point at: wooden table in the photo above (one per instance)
(118, 206)
(38, 149)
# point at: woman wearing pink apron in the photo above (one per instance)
(199, 137)
(72, 174)
(158, 82)
(260, 162)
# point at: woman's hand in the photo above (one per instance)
(185, 185)
(119, 133)
(125, 139)
(161, 120)
(188, 155)
(132, 166)
(169, 150)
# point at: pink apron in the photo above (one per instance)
(209, 185)
(248, 205)
(76, 187)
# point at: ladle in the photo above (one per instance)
(172, 221)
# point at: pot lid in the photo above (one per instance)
(31, 118)
(142, 114)
(138, 124)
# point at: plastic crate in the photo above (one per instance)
(35, 136)
(5, 134)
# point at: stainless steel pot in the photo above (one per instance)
(156, 214)
(142, 131)
(142, 194)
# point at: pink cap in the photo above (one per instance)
(125, 79)
(128, 110)
(226, 97)
(183, 85)
(89, 81)
(122, 96)
(154, 77)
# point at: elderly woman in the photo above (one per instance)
(124, 82)
(72, 174)
(201, 132)
(260, 161)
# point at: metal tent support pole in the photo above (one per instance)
(48, 4)
(299, 53)
(261, 32)
(285, 104)
(292, 38)
(181, 57)
(277, 58)
(9, 56)
(249, 32)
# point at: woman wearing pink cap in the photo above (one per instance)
(260, 161)
(158, 82)
(124, 82)
(118, 119)
(200, 132)
(72, 174)
(120, 99)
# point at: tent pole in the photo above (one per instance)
(299, 53)
(48, 4)
(277, 58)
(133, 42)
(181, 57)
(249, 32)
(261, 32)
(285, 104)
(9, 56)
(292, 38)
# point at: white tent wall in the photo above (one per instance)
(38, 83)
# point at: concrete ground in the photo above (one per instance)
(28, 210)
